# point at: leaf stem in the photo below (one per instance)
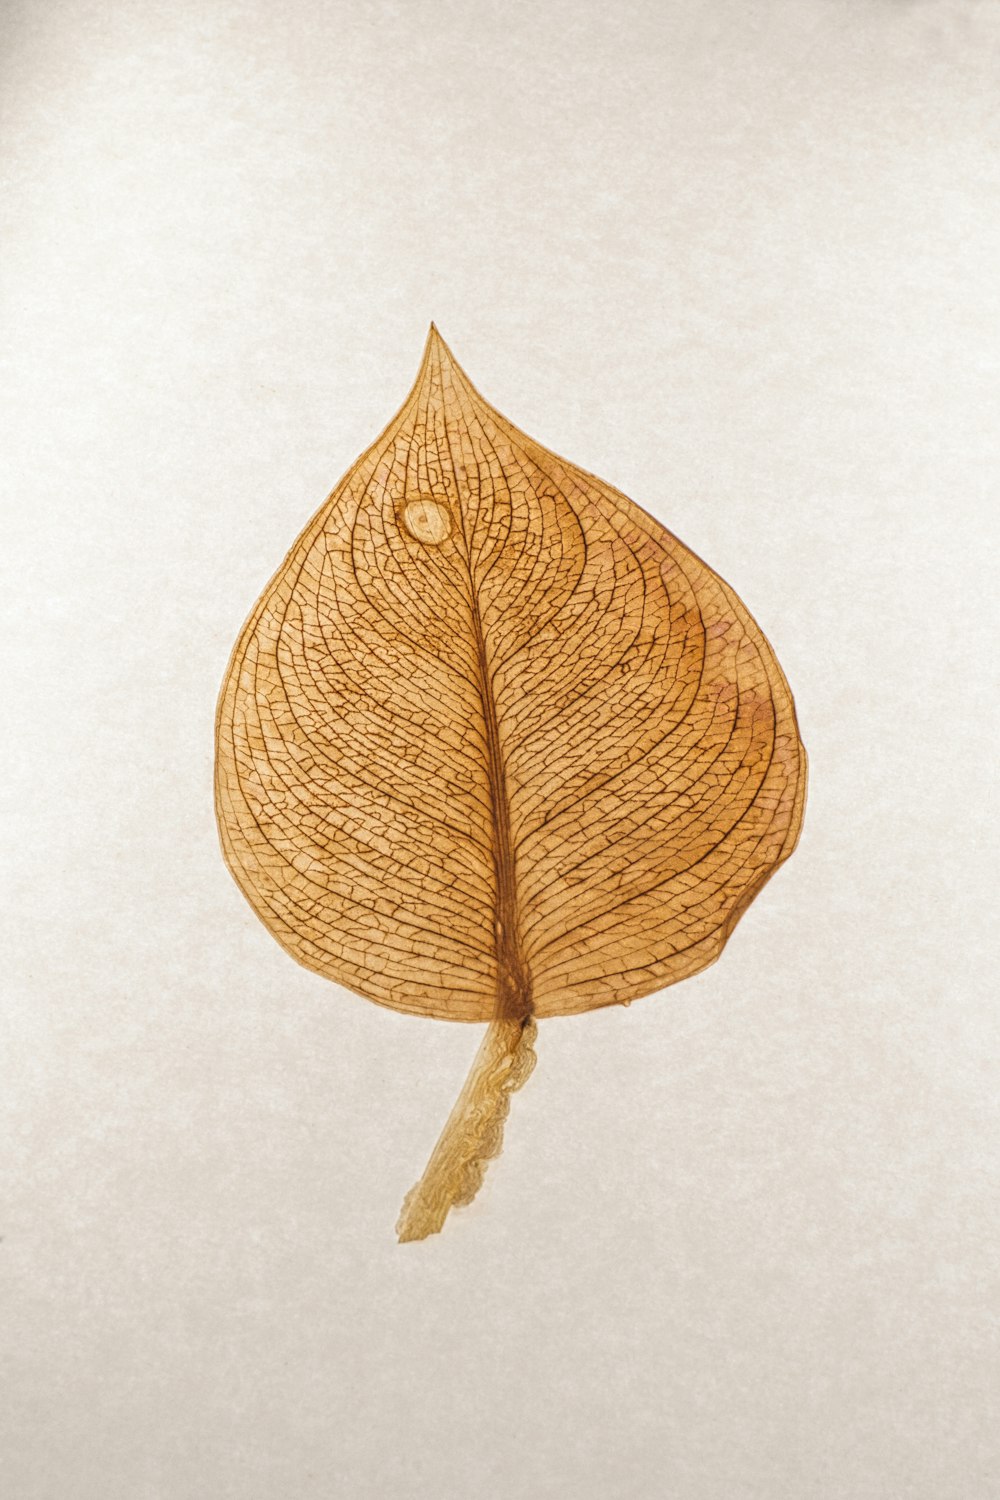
(473, 1133)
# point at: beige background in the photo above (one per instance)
(741, 260)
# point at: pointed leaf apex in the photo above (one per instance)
(438, 360)
(435, 343)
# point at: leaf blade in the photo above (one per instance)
(491, 718)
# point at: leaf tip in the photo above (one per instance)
(437, 347)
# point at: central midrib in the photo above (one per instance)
(513, 997)
(513, 1002)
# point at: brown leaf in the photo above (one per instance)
(495, 746)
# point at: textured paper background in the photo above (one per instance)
(741, 260)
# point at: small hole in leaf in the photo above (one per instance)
(427, 520)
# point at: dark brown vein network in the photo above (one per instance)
(542, 763)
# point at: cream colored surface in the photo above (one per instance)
(741, 261)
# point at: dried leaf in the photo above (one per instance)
(495, 746)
